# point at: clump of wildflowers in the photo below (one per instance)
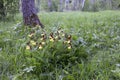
(43, 39)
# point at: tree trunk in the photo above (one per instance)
(109, 4)
(61, 6)
(30, 17)
(79, 5)
(93, 5)
(2, 10)
(67, 4)
(83, 3)
(75, 5)
(50, 5)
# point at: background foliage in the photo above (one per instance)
(11, 7)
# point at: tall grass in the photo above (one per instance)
(95, 52)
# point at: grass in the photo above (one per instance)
(95, 53)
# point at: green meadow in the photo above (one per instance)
(77, 46)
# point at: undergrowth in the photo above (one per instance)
(73, 46)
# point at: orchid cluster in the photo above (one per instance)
(39, 41)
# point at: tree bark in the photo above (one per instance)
(83, 3)
(29, 11)
(50, 5)
(75, 5)
(61, 6)
(67, 4)
(2, 10)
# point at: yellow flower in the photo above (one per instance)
(59, 31)
(37, 25)
(65, 42)
(30, 35)
(41, 39)
(63, 35)
(27, 47)
(33, 43)
(56, 37)
(42, 34)
(68, 41)
(52, 40)
(50, 37)
(43, 43)
(69, 47)
(40, 47)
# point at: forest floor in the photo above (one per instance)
(88, 47)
